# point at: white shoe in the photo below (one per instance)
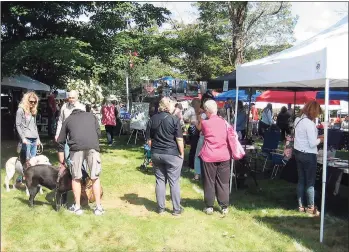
(74, 210)
(208, 210)
(225, 211)
(99, 211)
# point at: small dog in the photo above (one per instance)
(14, 166)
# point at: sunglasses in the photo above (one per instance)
(32, 102)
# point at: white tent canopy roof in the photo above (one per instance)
(22, 81)
(307, 64)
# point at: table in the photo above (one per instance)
(334, 174)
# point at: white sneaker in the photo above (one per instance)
(99, 211)
(74, 210)
(208, 210)
(225, 211)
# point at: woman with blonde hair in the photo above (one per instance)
(164, 136)
(26, 126)
(306, 140)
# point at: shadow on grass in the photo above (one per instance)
(134, 199)
(36, 202)
(305, 230)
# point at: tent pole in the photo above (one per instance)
(236, 107)
(248, 115)
(294, 106)
(324, 162)
(235, 117)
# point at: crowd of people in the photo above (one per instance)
(78, 147)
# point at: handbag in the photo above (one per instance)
(289, 145)
(236, 150)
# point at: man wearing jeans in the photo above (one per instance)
(165, 137)
(66, 110)
(84, 133)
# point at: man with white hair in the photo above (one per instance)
(164, 135)
(66, 110)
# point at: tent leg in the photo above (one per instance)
(324, 162)
(236, 107)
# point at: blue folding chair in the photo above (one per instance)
(278, 162)
(270, 145)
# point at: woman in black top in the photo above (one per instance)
(164, 136)
(282, 122)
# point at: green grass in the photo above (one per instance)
(257, 221)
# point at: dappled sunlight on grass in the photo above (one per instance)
(257, 221)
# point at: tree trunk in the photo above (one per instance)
(237, 16)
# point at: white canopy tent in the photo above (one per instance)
(62, 94)
(22, 81)
(319, 62)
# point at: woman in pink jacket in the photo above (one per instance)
(216, 159)
(109, 120)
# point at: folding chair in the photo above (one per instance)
(270, 144)
(278, 161)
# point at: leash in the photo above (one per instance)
(60, 175)
(40, 149)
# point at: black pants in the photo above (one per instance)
(50, 122)
(216, 183)
(284, 130)
(262, 127)
(110, 133)
(193, 144)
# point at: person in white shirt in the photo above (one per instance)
(345, 124)
(306, 140)
(66, 110)
(190, 117)
(266, 120)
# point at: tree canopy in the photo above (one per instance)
(50, 42)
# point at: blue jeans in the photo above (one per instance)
(29, 150)
(68, 161)
(66, 154)
(306, 166)
(197, 160)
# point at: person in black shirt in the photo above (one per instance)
(282, 122)
(164, 136)
(83, 132)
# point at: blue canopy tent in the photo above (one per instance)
(334, 95)
(253, 99)
(232, 94)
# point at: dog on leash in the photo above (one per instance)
(46, 175)
(14, 167)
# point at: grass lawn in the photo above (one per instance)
(257, 221)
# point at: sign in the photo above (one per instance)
(225, 86)
(139, 115)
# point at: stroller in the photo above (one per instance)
(147, 157)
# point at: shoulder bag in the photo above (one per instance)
(289, 145)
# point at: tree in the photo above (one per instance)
(46, 41)
(90, 92)
(248, 24)
(264, 51)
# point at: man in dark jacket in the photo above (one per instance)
(83, 132)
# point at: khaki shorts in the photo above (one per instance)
(93, 162)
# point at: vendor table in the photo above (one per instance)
(337, 173)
